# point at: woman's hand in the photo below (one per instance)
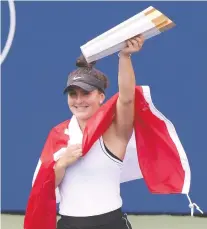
(133, 45)
(72, 154)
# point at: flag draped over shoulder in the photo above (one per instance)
(154, 153)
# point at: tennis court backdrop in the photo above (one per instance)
(47, 42)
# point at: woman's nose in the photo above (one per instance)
(79, 98)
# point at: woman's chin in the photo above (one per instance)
(82, 115)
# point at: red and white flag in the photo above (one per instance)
(154, 153)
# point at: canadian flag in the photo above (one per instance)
(154, 153)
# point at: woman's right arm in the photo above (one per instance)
(72, 154)
(59, 172)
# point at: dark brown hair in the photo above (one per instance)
(88, 68)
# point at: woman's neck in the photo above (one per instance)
(82, 124)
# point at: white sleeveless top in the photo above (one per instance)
(91, 186)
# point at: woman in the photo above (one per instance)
(97, 173)
(89, 185)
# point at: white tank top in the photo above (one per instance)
(91, 186)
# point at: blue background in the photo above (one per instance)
(46, 44)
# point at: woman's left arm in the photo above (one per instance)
(126, 82)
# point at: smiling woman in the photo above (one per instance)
(98, 173)
(87, 157)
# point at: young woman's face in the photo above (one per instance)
(84, 104)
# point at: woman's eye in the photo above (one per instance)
(86, 92)
(71, 93)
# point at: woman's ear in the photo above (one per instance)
(102, 98)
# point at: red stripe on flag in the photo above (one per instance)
(158, 156)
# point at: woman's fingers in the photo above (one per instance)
(77, 153)
(129, 44)
(133, 45)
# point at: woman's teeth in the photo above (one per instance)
(81, 108)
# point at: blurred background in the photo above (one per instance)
(44, 50)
